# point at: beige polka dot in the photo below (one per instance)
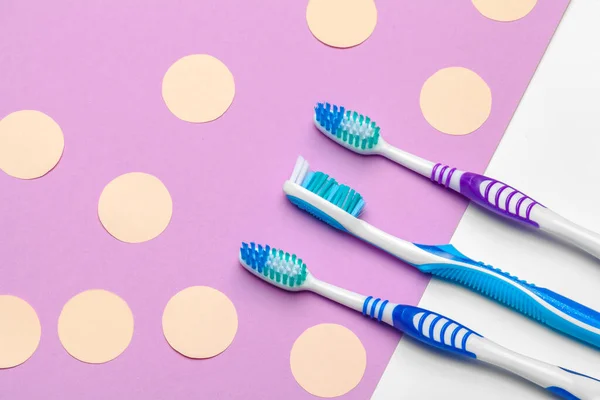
(328, 360)
(456, 101)
(199, 322)
(198, 88)
(20, 331)
(504, 10)
(135, 207)
(95, 326)
(341, 23)
(31, 144)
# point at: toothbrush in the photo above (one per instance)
(361, 135)
(340, 206)
(288, 272)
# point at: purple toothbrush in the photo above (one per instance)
(360, 134)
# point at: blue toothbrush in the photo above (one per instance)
(340, 206)
(287, 271)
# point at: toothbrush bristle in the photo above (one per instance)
(353, 129)
(337, 194)
(276, 266)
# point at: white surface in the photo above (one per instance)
(551, 152)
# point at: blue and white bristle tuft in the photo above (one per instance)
(348, 127)
(282, 269)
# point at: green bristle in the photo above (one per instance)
(343, 190)
(325, 188)
(275, 269)
(316, 181)
(352, 123)
(355, 199)
(348, 200)
(336, 196)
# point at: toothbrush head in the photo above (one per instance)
(352, 130)
(281, 269)
(327, 188)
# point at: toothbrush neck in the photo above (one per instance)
(410, 161)
(374, 308)
(345, 297)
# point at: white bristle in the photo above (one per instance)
(364, 130)
(297, 168)
(278, 264)
(302, 166)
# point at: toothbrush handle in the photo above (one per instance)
(490, 193)
(443, 333)
(513, 204)
(540, 304)
(433, 329)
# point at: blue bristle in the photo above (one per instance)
(339, 195)
(329, 116)
(317, 181)
(255, 256)
(339, 199)
(307, 179)
(325, 188)
(359, 206)
(348, 201)
(332, 192)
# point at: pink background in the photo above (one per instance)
(96, 68)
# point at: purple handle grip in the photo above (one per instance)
(490, 193)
